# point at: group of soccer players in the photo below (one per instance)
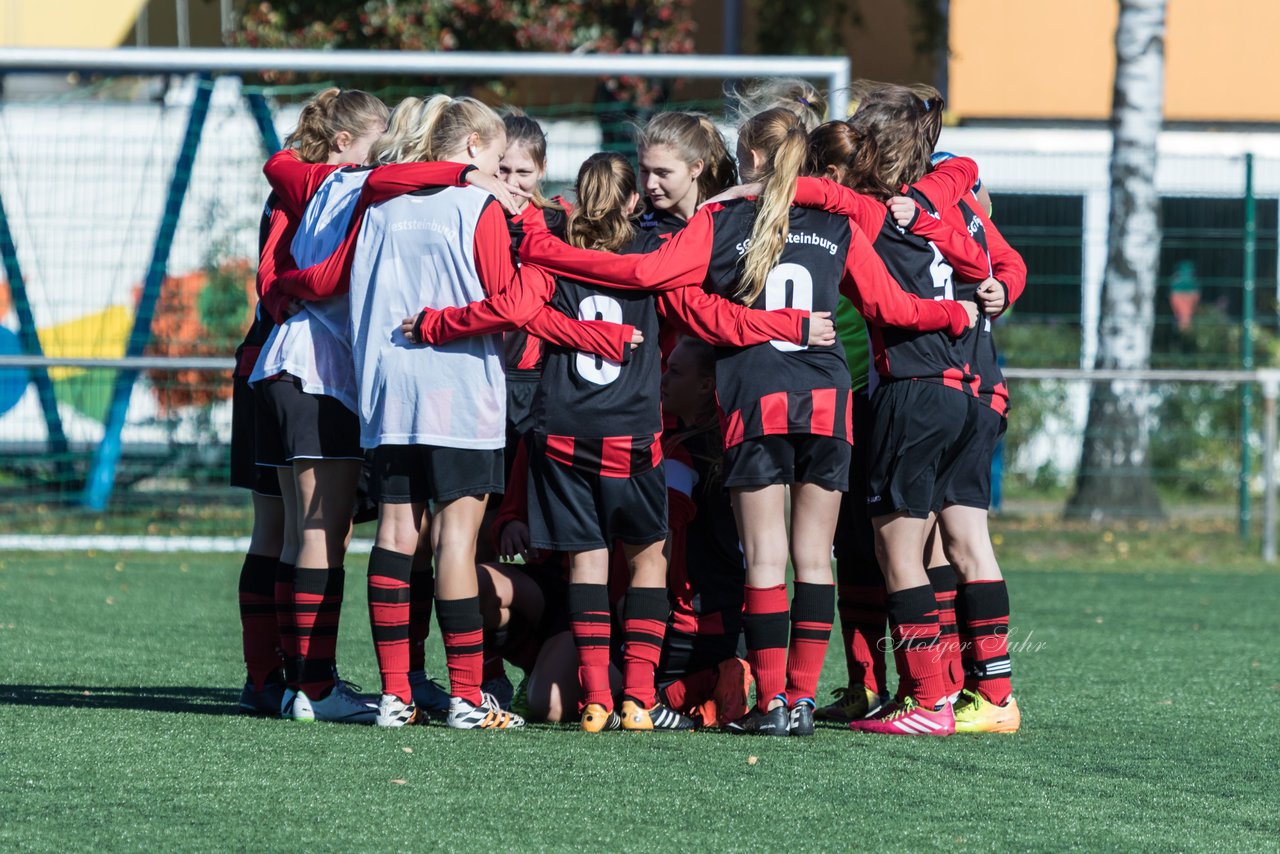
(679, 384)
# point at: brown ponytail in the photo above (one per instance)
(897, 128)
(779, 134)
(600, 220)
(328, 114)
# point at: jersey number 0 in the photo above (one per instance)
(593, 368)
(788, 286)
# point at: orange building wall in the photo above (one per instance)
(1049, 59)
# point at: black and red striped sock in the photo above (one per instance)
(422, 596)
(592, 630)
(813, 610)
(644, 622)
(317, 607)
(983, 607)
(943, 580)
(390, 574)
(863, 621)
(285, 623)
(765, 623)
(462, 629)
(913, 624)
(259, 633)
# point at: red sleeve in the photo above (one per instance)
(492, 249)
(274, 260)
(949, 182)
(835, 198)
(724, 323)
(396, 179)
(678, 263)
(1006, 263)
(600, 337)
(883, 302)
(515, 501)
(294, 181)
(964, 253)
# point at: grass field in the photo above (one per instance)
(1149, 690)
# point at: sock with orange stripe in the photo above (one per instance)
(913, 624)
(813, 610)
(983, 608)
(285, 623)
(765, 623)
(644, 621)
(421, 597)
(863, 621)
(462, 629)
(317, 607)
(260, 635)
(943, 580)
(592, 630)
(390, 574)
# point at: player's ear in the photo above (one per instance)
(697, 167)
(342, 141)
(632, 201)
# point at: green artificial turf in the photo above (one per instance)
(1148, 703)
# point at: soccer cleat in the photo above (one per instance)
(428, 695)
(756, 722)
(267, 703)
(394, 712)
(801, 719)
(732, 693)
(487, 715)
(910, 718)
(851, 704)
(975, 713)
(500, 688)
(639, 719)
(596, 718)
(342, 705)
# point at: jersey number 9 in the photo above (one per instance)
(593, 368)
(788, 286)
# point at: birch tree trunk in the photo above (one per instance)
(1115, 470)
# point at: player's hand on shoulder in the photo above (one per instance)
(741, 191)
(506, 196)
(903, 210)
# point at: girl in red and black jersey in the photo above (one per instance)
(974, 609)
(786, 408)
(334, 127)
(590, 485)
(522, 169)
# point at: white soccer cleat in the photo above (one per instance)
(394, 712)
(341, 706)
(487, 715)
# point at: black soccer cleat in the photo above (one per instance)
(756, 722)
(265, 703)
(801, 722)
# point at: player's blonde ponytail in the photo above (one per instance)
(780, 136)
(330, 113)
(435, 129)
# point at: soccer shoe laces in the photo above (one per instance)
(906, 707)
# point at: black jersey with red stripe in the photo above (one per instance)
(583, 400)
(778, 387)
(661, 224)
(921, 269)
(522, 351)
(992, 389)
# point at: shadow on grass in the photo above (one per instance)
(145, 698)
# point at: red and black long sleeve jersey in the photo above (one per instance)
(524, 351)
(772, 387)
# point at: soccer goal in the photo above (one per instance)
(130, 196)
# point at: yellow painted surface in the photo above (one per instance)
(1050, 59)
(66, 23)
(101, 335)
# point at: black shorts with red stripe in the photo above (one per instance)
(971, 485)
(577, 508)
(919, 431)
(787, 459)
